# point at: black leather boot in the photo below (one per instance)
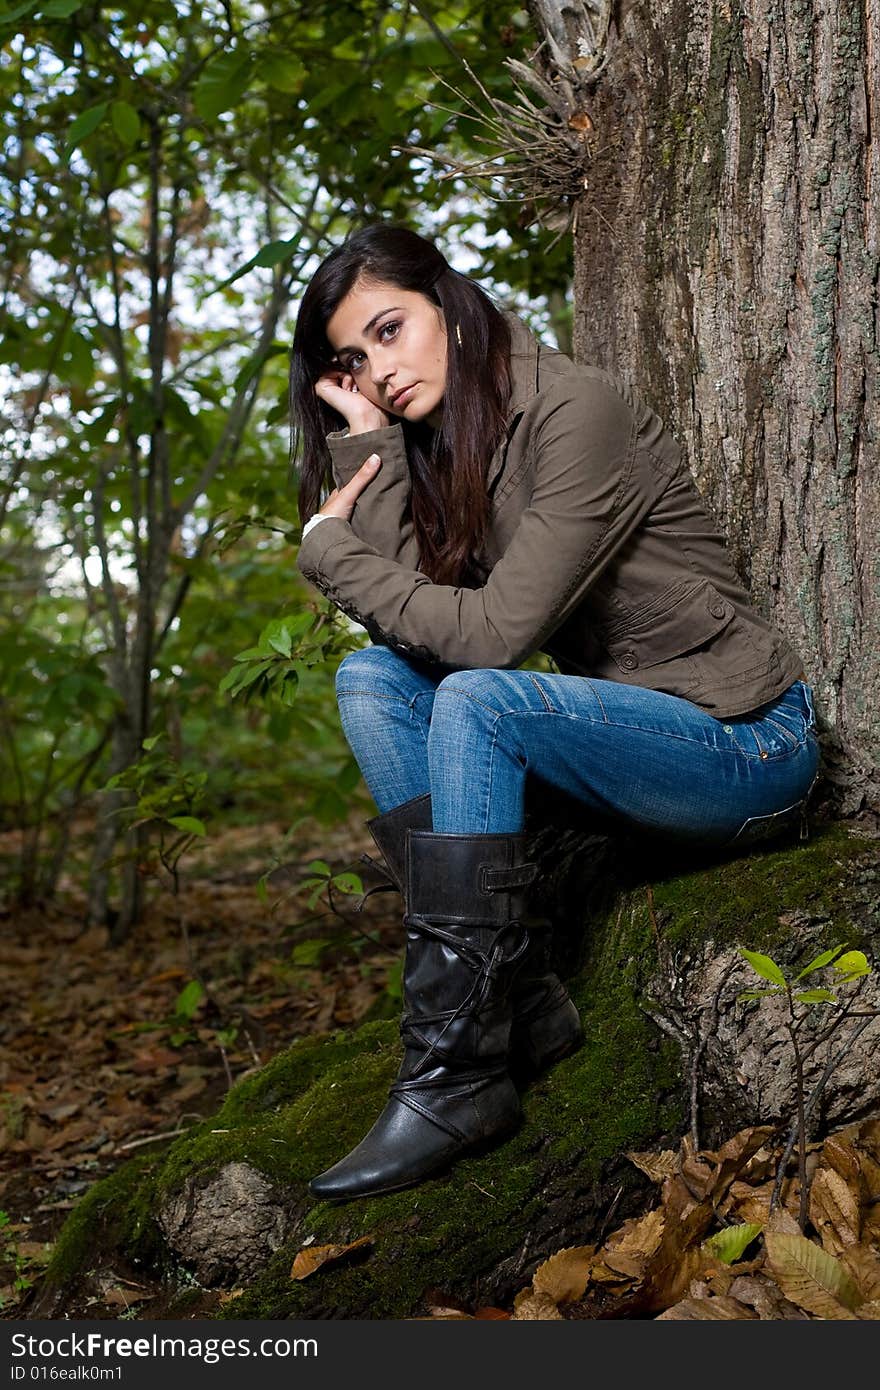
(465, 895)
(546, 1025)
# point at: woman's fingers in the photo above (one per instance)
(341, 501)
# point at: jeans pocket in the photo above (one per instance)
(789, 736)
(766, 827)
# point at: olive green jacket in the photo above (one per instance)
(600, 551)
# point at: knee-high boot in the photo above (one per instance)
(546, 1025)
(465, 895)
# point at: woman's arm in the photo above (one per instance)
(381, 517)
(592, 491)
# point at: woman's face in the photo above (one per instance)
(393, 342)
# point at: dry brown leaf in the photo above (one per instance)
(834, 1210)
(810, 1277)
(867, 1136)
(765, 1297)
(678, 1258)
(736, 1153)
(869, 1311)
(491, 1314)
(841, 1155)
(752, 1204)
(694, 1171)
(703, 1309)
(529, 1306)
(601, 1273)
(315, 1256)
(864, 1266)
(565, 1275)
(657, 1165)
(628, 1249)
(783, 1223)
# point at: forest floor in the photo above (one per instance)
(104, 1049)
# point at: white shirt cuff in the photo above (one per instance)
(312, 521)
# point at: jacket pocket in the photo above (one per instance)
(681, 619)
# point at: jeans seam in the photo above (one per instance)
(737, 751)
(541, 691)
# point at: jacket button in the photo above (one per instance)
(717, 609)
(629, 661)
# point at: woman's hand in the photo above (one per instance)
(341, 501)
(338, 388)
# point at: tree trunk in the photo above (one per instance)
(726, 264)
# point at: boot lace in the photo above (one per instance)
(491, 970)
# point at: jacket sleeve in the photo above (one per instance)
(592, 490)
(381, 514)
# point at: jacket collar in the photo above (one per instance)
(524, 351)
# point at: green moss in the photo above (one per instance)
(116, 1214)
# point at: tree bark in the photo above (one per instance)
(726, 265)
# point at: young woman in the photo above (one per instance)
(490, 499)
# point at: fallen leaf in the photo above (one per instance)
(529, 1306)
(810, 1277)
(704, 1309)
(765, 1297)
(864, 1266)
(629, 1248)
(728, 1244)
(841, 1155)
(657, 1165)
(834, 1210)
(315, 1256)
(565, 1275)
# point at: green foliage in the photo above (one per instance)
(171, 175)
(849, 966)
(730, 1243)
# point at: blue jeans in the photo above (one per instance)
(638, 756)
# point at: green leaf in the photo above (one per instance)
(17, 13)
(819, 962)
(308, 953)
(729, 1244)
(816, 996)
(150, 743)
(190, 823)
(59, 9)
(764, 966)
(347, 883)
(280, 641)
(283, 71)
(274, 252)
(853, 964)
(222, 83)
(85, 124)
(189, 999)
(126, 122)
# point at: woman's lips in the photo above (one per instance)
(402, 398)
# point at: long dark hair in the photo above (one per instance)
(450, 505)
